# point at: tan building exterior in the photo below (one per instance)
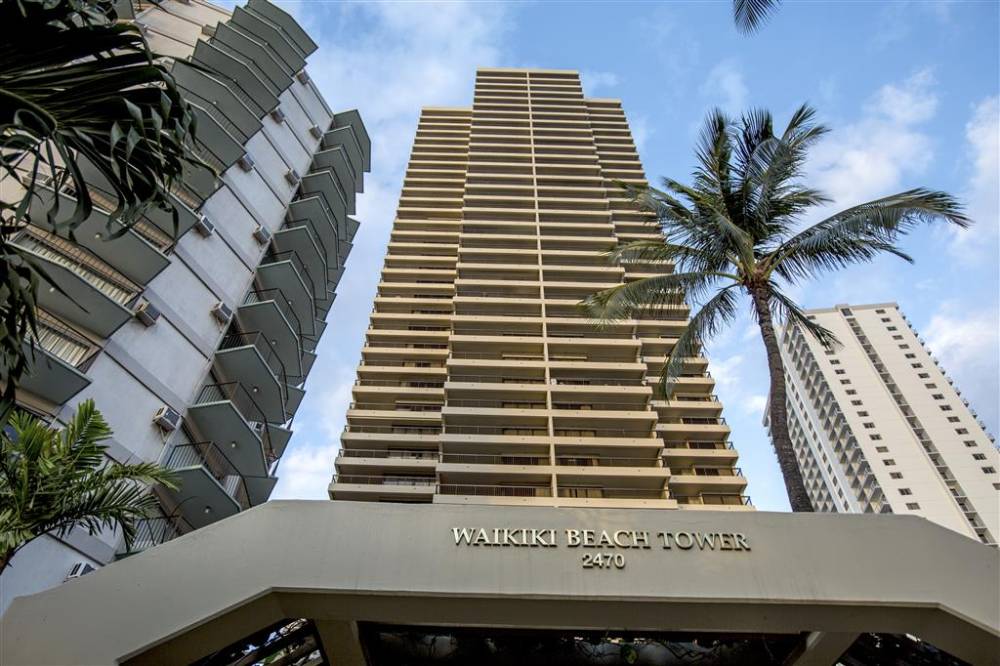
(879, 427)
(480, 380)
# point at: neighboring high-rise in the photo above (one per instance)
(480, 379)
(879, 428)
(196, 346)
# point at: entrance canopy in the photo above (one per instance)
(372, 583)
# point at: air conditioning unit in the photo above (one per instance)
(222, 312)
(278, 115)
(208, 30)
(262, 235)
(166, 418)
(303, 77)
(147, 313)
(292, 176)
(80, 569)
(204, 226)
(316, 131)
(246, 162)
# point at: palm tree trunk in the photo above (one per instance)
(798, 497)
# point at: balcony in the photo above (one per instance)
(215, 97)
(255, 52)
(289, 56)
(284, 21)
(229, 415)
(151, 532)
(61, 359)
(337, 161)
(312, 211)
(269, 312)
(137, 257)
(693, 480)
(714, 501)
(93, 295)
(285, 272)
(210, 486)
(240, 78)
(250, 359)
(389, 487)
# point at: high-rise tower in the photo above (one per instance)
(195, 340)
(877, 426)
(480, 379)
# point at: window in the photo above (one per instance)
(889, 462)
(930, 386)
(880, 311)
(834, 362)
(869, 425)
(916, 365)
(897, 337)
(895, 475)
(938, 396)
(876, 437)
(905, 491)
(862, 413)
(924, 375)
(856, 403)
(970, 443)
(851, 391)
(989, 470)
(885, 319)
(840, 372)
(891, 328)
(953, 419)
(979, 456)
(912, 506)
(962, 431)
(882, 449)
(945, 408)
(845, 381)
(910, 355)
(904, 346)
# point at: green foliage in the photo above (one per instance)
(77, 85)
(737, 229)
(53, 480)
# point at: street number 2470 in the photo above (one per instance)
(603, 561)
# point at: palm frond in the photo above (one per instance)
(789, 313)
(861, 233)
(749, 15)
(648, 295)
(707, 322)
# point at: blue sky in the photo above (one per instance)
(909, 89)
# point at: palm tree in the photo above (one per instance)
(736, 232)
(76, 84)
(751, 14)
(53, 480)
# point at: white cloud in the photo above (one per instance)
(594, 81)
(641, 131)
(870, 157)
(754, 404)
(726, 371)
(725, 87)
(388, 60)
(982, 135)
(966, 343)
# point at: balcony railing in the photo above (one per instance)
(495, 379)
(259, 341)
(494, 491)
(709, 471)
(727, 445)
(151, 532)
(395, 407)
(64, 343)
(714, 499)
(385, 480)
(612, 461)
(691, 420)
(487, 459)
(389, 430)
(244, 404)
(396, 454)
(278, 298)
(214, 460)
(59, 251)
(538, 432)
(601, 492)
(401, 383)
(293, 258)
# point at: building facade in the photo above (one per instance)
(480, 379)
(195, 342)
(878, 426)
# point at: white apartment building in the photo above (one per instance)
(196, 345)
(879, 427)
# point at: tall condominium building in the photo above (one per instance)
(480, 380)
(879, 427)
(196, 345)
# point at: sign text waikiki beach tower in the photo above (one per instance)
(480, 379)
